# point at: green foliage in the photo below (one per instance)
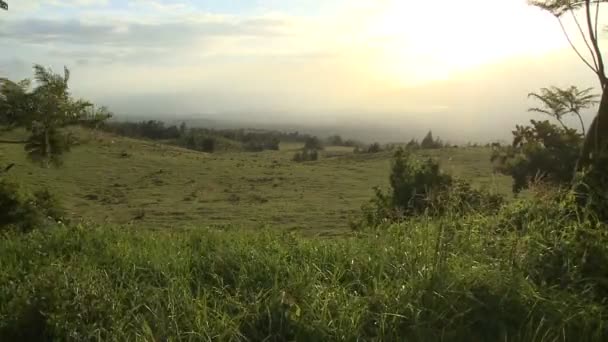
(591, 187)
(419, 187)
(312, 143)
(198, 142)
(558, 102)
(413, 183)
(25, 212)
(567, 247)
(425, 280)
(44, 111)
(3, 5)
(541, 152)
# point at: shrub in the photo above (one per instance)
(312, 143)
(560, 245)
(26, 212)
(419, 187)
(541, 152)
(374, 148)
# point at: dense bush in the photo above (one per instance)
(420, 187)
(25, 212)
(312, 143)
(541, 152)
(197, 142)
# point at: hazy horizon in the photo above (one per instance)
(460, 69)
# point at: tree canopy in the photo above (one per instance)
(43, 107)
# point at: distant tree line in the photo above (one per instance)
(204, 139)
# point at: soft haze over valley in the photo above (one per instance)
(382, 69)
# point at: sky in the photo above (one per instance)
(461, 68)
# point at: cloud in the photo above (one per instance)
(135, 34)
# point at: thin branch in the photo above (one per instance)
(596, 46)
(574, 46)
(580, 118)
(597, 16)
(580, 29)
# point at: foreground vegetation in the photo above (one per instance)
(533, 272)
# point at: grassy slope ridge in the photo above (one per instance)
(120, 180)
(426, 280)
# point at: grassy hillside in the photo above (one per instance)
(121, 180)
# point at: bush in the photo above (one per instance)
(541, 152)
(25, 212)
(563, 246)
(313, 143)
(419, 187)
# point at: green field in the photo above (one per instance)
(110, 179)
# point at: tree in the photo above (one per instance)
(557, 103)
(430, 142)
(312, 143)
(3, 5)
(543, 151)
(596, 139)
(43, 111)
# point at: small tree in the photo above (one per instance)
(429, 142)
(3, 5)
(557, 103)
(44, 111)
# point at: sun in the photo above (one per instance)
(422, 41)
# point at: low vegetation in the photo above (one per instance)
(434, 255)
(532, 272)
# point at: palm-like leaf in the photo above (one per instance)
(558, 102)
(559, 7)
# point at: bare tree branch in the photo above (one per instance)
(597, 16)
(595, 43)
(580, 30)
(561, 24)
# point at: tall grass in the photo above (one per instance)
(453, 278)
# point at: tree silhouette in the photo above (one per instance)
(596, 139)
(558, 102)
(3, 5)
